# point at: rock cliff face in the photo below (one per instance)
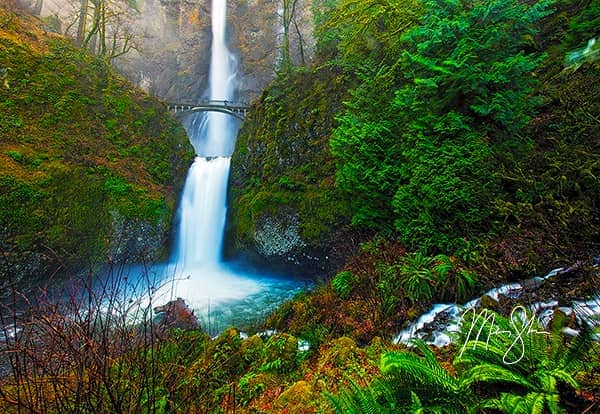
(285, 211)
(172, 41)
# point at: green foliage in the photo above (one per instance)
(518, 351)
(507, 364)
(374, 399)
(474, 54)
(326, 39)
(360, 30)
(9, 121)
(447, 193)
(15, 155)
(410, 383)
(279, 354)
(421, 275)
(436, 390)
(415, 143)
(465, 282)
(343, 283)
(18, 200)
(250, 386)
(70, 140)
(421, 279)
(116, 186)
(583, 26)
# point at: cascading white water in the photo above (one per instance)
(203, 213)
(196, 272)
(199, 274)
(203, 204)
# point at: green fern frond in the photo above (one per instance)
(532, 403)
(377, 398)
(416, 407)
(490, 373)
(335, 402)
(418, 371)
(574, 357)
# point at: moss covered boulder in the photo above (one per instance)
(285, 210)
(90, 167)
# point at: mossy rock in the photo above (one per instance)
(342, 351)
(487, 302)
(297, 398)
(283, 176)
(252, 349)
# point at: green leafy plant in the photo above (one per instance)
(517, 351)
(464, 284)
(422, 275)
(418, 140)
(375, 398)
(422, 381)
(343, 283)
(250, 386)
(510, 364)
(410, 383)
(279, 354)
(15, 155)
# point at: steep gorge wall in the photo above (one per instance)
(285, 211)
(90, 167)
(172, 41)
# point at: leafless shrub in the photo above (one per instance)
(92, 350)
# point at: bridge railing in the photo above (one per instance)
(237, 109)
(212, 102)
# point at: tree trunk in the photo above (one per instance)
(300, 42)
(102, 28)
(91, 37)
(81, 28)
(289, 10)
(37, 9)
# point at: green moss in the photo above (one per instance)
(78, 142)
(282, 158)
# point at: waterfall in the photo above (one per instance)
(199, 276)
(196, 272)
(203, 205)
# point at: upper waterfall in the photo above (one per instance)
(213, 134)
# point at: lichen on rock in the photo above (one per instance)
(278, 235)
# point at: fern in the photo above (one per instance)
(377, 398)
(436, 390)
(343, 283)
(531, 403)
(541, 361)
(422, 275)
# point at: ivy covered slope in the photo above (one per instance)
(285, 207)
(89, 166)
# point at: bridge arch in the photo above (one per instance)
(238, 110)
